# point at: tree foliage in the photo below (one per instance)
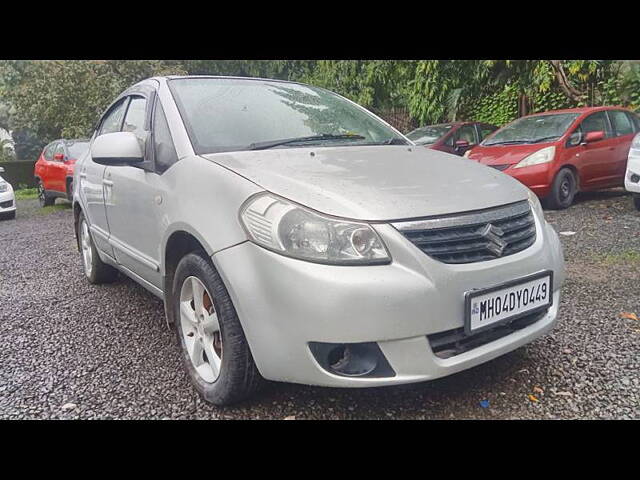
(43, 100)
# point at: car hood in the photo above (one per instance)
(375, 183)
(504, 154)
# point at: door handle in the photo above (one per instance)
(83, 175)
(107, 182)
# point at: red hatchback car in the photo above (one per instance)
(454, 138)
(54, 169)
(559, 153)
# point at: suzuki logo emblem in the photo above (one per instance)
(493, 234)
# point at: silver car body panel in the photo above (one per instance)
(284, 303)
(375, 183)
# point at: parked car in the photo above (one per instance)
(632, 177)
(454, 138)
(54, 169)
(7, 199)
(295, 236)
(562, 152)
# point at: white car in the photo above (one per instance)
(7, 199)
(632, 177)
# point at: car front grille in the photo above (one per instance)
(7, 204)
(454, 342)
(474, 236)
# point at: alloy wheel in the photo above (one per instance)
(200, 329)
(85, 245)
(41, 195)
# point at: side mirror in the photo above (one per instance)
(462, 144)
(594, 136)
(118, 148)
(58, 157)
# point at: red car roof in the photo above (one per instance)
(580, 110)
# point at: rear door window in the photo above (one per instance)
(620, 122)
(634, 120)
(596, 122)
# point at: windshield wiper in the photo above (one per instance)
(527, 140)
(286, 141)
(506, 142)
(544, 139)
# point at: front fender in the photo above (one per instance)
(206, 204)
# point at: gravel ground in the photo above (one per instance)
(72, 350)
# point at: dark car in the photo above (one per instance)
(456, 137)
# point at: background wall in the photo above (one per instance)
(19, 173)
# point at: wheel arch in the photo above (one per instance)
(575, 171)
(180, 242)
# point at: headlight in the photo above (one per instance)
(544, 155)
(4, 186)
(295, 231)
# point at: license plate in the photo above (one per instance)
(507, 302)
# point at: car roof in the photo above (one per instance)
(581, 110)
(225, 77)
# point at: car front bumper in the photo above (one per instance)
(633, 168)
(5, 198)
(537, 177)
(285, 304)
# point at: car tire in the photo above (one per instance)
(563, 190)
(95, 270)
(8, 216)
(44, 199)
(209, 328)
(69, 186)
(636, 201)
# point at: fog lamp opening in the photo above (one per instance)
(352, 359)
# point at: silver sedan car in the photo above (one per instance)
(295, 236)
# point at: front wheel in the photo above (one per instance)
(214, 349)
(563, 190)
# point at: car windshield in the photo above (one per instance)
(430, 134)
(533, 129)
(225, 114)
(76, 149)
